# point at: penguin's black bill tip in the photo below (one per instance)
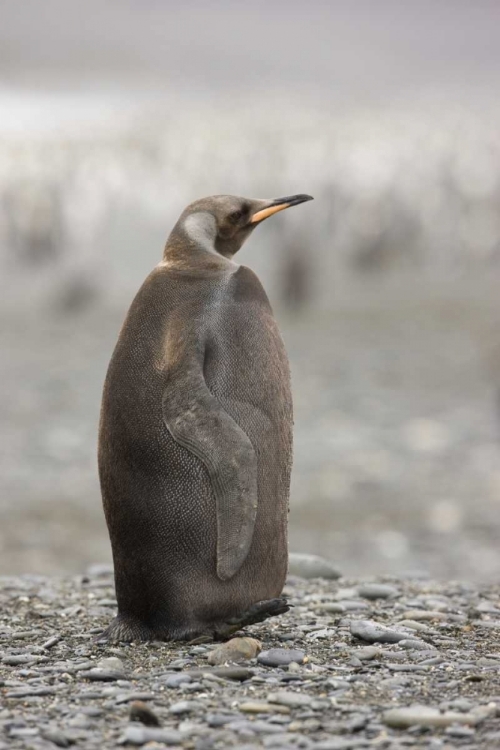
(279, 204)
(292, 200)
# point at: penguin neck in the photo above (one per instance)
(192, 244)
(200, 229)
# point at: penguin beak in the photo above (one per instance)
(278, 204)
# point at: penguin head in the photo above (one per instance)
(222, 223)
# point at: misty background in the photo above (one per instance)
(114, 115)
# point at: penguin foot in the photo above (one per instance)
(125, 629)
(256, 613)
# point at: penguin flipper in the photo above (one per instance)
(197, 421)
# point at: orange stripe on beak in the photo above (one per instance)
(265, 212)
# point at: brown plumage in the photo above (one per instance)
(195, 442)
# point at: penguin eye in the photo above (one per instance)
(236, 216)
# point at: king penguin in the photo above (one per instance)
(195, 437)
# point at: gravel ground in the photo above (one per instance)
(388, 663)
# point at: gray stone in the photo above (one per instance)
(257, 727)
(426, 716)
(236, 674)
(311, 566)
(30, 691)
(133, 696)
(293, 700)
(219, 720)
(456, 730)
(112, 663)
(102, 675)
(366, 653)
(378, 591)
(280, 657)
(288, 740)
(413, 644)
(54, 735)
(176, 680)
(261, 707)
(138, 735)
(373, 632)
(185, 707)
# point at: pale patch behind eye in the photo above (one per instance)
(201, 228)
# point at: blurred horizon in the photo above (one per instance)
(115, 115)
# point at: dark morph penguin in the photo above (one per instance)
(195, 442)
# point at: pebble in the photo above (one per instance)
(185, 707)
(287, 740)
(280, 657)
(311, 566)
(373, 632)
(423, 614)
(236, 674)
(367, 653)
(219, 720)
(378, 591)
(56, 736)
(82, 692)
(111, 663)
(134, 696)
(176, 680)
(140, 711)
(293, 700)
(425, 716)
(98, 674)
(261, 707)
(413, 643)
(235, 650)
(137, 735)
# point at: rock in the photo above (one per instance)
(140, 711)
(236, 674)
(133, 696)
(311, 566)
(30, 691)
(425, 716)
(378, 591)
(260, 707)
(185, 707)
(335, 743)
(17, 660)
(102, 675)
(456, 730)
(293, 700)
(413, 644)
(137, 735)
(288, 740)
(367, 653)
(414, 625)
(176, 680)
(424, 614)
(257, 727)
(235, 650)
(373, 632)
(50, 644)
(111, 662)
(281, 657)
(219, 720)
(54, 735)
